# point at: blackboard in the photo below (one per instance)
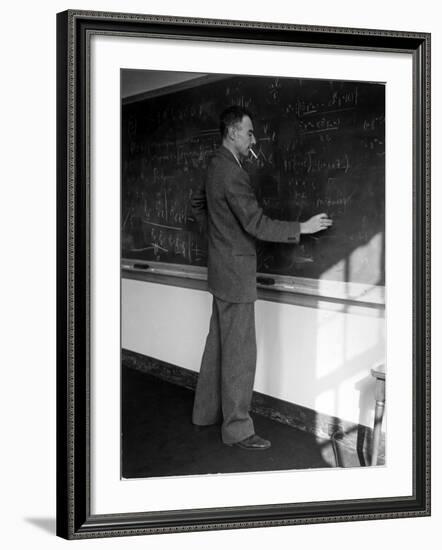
(321, 147)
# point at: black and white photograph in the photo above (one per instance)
(243, 274)
(253, 274)
(222, 257)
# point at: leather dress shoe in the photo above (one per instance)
(253, 443)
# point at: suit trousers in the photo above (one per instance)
(225, 383)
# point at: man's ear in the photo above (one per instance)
(231, 131)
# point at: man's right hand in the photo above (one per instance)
(316, 223)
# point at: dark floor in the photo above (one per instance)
(159, 439)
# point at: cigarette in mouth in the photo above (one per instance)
(255, 156)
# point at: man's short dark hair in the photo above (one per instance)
(230, 116)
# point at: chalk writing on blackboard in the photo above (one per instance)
(320, 147)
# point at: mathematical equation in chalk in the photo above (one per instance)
(164, 242)
(335, 101)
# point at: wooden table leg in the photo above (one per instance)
(378, 415)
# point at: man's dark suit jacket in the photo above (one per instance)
(228, 208)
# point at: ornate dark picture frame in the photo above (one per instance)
(74, 518)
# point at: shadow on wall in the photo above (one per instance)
(358, 343)
(321, 358)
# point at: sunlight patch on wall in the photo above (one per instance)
(330, 343)
(367, 259)
(326, 401)
(360, 275)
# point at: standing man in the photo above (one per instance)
(228, 210)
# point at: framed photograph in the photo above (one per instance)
(243, 274)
